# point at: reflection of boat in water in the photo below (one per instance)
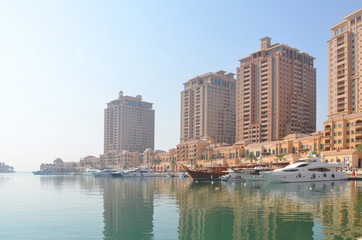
(307, 190)
(310, 169)
(208, 173)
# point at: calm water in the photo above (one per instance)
(79, 207)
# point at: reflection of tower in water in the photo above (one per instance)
(128, 209)
(262, 211)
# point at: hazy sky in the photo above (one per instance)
(62, 61)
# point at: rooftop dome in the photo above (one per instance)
(58, 160)
(125, 152)
(148, 150)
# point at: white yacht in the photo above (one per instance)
(233, 175)
(89, 171)
(104, 173)
(139, 172)
(255, 174)
(310, 169)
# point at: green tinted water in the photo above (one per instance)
(79, 207)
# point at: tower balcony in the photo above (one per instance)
(340, 43)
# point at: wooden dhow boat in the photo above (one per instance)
(207, 173)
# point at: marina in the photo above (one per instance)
(175, 208)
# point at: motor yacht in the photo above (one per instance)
(310, 169)
(232, 175)
(48, 171)
(89, 171)
(139, 172)
(105, 173)
(254, 174)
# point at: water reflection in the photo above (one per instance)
(254, 210)
(128, 209)
(219, 210)
(87, 184)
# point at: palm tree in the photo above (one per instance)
(359, 149)
(173, 163)
(279, 157)
(212, 157)
(250, 157)
(156, 161)
(192, 160)
(316, 153)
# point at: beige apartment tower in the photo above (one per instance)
(129, 124)
(208, 108)
(345, 65)
(276, 93)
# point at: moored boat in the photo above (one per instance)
(310, 169)
(117, 174)
(208, 173)
(89, 171)
(48, 171)
(254, 174)
(104, 173)
(232, 175)
(139, 172)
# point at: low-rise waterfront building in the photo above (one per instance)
(343, 132)
(115, 159)
(60, 166)
(89, 162)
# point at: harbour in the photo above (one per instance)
(86, 207)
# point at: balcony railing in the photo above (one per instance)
(359, 124)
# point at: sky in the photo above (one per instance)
(62, 61)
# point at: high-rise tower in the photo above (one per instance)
(276, 93)
(208, 108)
(129, 124)
(343, 129)
(345, 66)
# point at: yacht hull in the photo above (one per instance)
(304, 177)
